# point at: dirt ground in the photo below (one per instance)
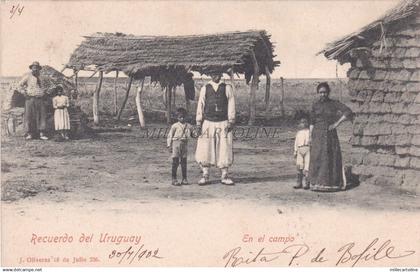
(119, 183)
(126, 166)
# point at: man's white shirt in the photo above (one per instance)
(202, 101)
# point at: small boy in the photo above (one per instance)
(301, 152)
(177, 143)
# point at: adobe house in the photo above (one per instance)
(384, 84)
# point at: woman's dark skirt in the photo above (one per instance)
(325, 169)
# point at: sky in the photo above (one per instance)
(49, 31)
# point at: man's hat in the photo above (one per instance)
(35, 63)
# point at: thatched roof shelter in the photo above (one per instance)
(169, 59)
(140, 56)
(395, 19)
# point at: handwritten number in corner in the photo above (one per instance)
(16, 9)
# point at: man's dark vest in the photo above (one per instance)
(216, 103)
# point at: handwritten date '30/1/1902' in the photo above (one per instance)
(131, 254)
(299, 254)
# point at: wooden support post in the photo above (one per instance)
(115, 94)
(168, 104)
(138, 105)
(282, 97)
(166, 100)
(127, 92)
(164, 96)
(267, 91)
(174, 98)
(76, 81)
(96, 99)
(5, 125)
(254, 87)
(14, 121)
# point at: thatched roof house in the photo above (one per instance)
(49, 77)
(167, 59)
(384, 83)
(13, 103)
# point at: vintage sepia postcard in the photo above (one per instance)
(210, 134)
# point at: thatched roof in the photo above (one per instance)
(393, 20)
(140, 56)
(50, 78)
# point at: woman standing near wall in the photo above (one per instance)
(326, 169)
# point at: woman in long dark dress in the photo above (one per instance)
(326, 171)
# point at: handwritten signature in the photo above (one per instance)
(18, 9)
(373, 251)
(347, 254)
(131, 254)
(234, 258)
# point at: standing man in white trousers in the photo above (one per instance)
(215, 119)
